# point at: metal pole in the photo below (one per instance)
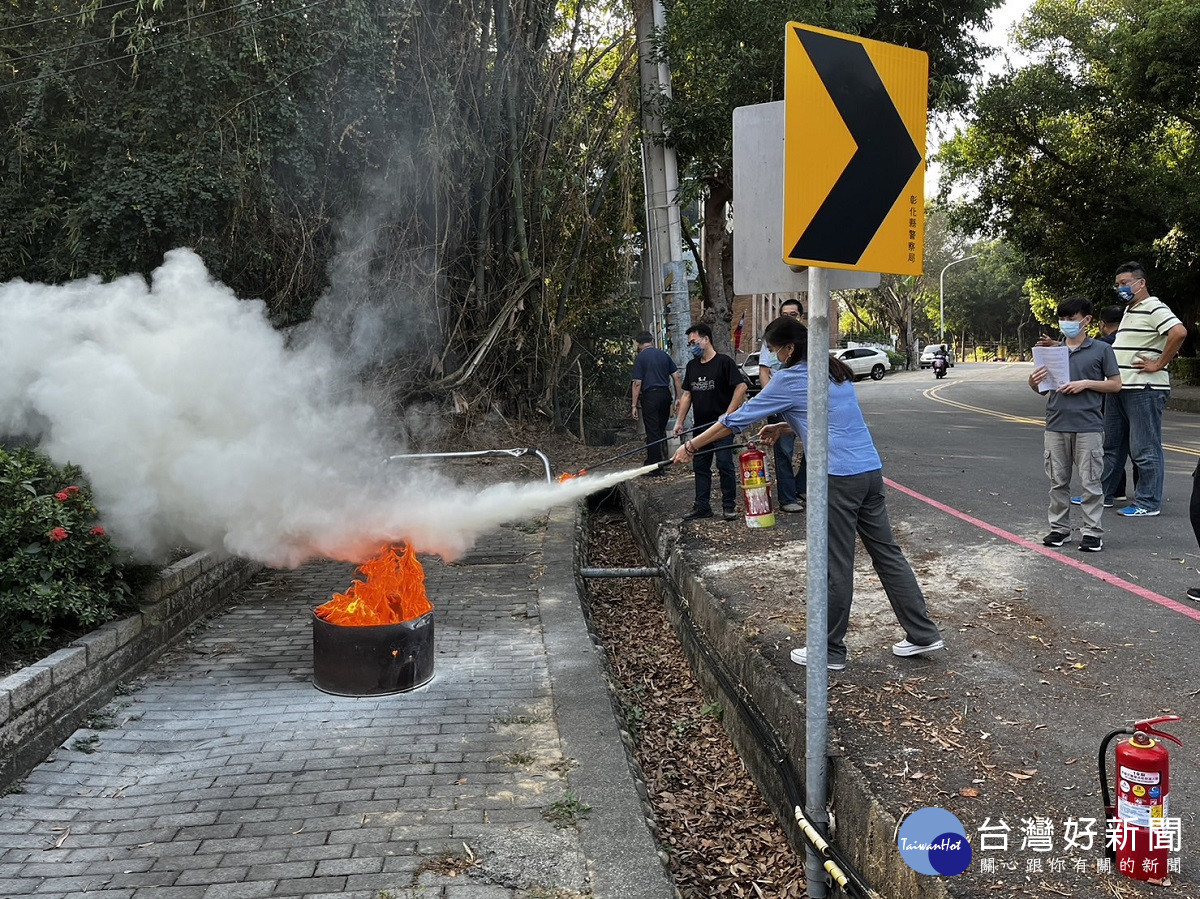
(816, 456)
(515, 453)
(620, 572)
(942, 292)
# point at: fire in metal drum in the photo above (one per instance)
(377, 660)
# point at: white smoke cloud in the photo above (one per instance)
(198, 426)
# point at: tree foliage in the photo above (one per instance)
(729, 53)
(1086, 157)
(462, 168)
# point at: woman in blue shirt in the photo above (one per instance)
(856, 497)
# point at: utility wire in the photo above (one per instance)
(66, 15)
(92, 65)
(109, 38)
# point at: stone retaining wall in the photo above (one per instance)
(865, 829)
(43, 704)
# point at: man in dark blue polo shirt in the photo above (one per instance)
(653, 372)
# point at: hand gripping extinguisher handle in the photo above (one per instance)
(1144, 726)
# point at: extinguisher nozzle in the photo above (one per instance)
(663, 464)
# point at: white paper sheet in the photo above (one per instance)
(1056, 361)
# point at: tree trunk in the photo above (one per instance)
(716, 308)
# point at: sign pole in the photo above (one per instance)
(816, 453)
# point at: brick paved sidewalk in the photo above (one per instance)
(225, 773)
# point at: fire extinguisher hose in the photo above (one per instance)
(1105, 793)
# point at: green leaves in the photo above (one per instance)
(1086, 157)
(58, 569)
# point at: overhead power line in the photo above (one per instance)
(66, 15)
(154, 49)
(109, 38)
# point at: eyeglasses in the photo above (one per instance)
(791, 314)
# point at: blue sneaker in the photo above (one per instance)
(1136, 511)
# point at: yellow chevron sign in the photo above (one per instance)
(854, 152)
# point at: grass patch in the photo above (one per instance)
(88, 744)
(567, 811)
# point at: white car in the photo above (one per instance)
(750, 370)
(927, 354)
(864, 361)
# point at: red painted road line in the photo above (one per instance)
(1097, 573)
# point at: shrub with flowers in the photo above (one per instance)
(59, 572)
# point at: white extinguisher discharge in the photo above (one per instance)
(756, 488)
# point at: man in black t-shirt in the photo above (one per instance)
(712, 385)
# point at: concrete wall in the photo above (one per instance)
(43, 704)
(865, 830)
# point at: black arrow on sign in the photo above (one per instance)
(886, 157)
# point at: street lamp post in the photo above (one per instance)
(942, 294)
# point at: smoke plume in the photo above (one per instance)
(197, 426)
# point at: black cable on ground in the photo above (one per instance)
(767, 739)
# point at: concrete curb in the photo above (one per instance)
(615, 835)
(864, 830)
(43, 704)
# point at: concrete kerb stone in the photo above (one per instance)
(41, 705)
(865, 829)
(614, 835)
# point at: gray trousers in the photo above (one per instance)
(1082, 452)
(857, 509)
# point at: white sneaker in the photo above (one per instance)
(905, 648)
(800, 657)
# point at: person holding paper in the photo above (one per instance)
(1074, 439)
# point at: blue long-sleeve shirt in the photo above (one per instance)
(851, 449)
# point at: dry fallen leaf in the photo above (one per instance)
(969, 792)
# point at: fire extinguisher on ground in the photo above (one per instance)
(756, 488)
(1139, 841)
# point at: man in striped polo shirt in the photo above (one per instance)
(1147, 340)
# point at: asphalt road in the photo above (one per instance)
(965, 458)
(973, 441)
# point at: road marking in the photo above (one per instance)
(934, 393)
(1149, 595)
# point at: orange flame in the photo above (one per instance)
(567, 476)
(394, 591)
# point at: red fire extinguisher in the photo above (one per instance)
(1143, 772)
(756, 488)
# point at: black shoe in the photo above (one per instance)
(1090, 544)
(697, 513)
(1055, 538)
(1194, 593)
(730, 515)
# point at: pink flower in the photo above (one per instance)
(58, 535)
(97, 531)
(62, 496)
(72, 490)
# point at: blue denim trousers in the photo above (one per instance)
(1133, 427)
(785, 473)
